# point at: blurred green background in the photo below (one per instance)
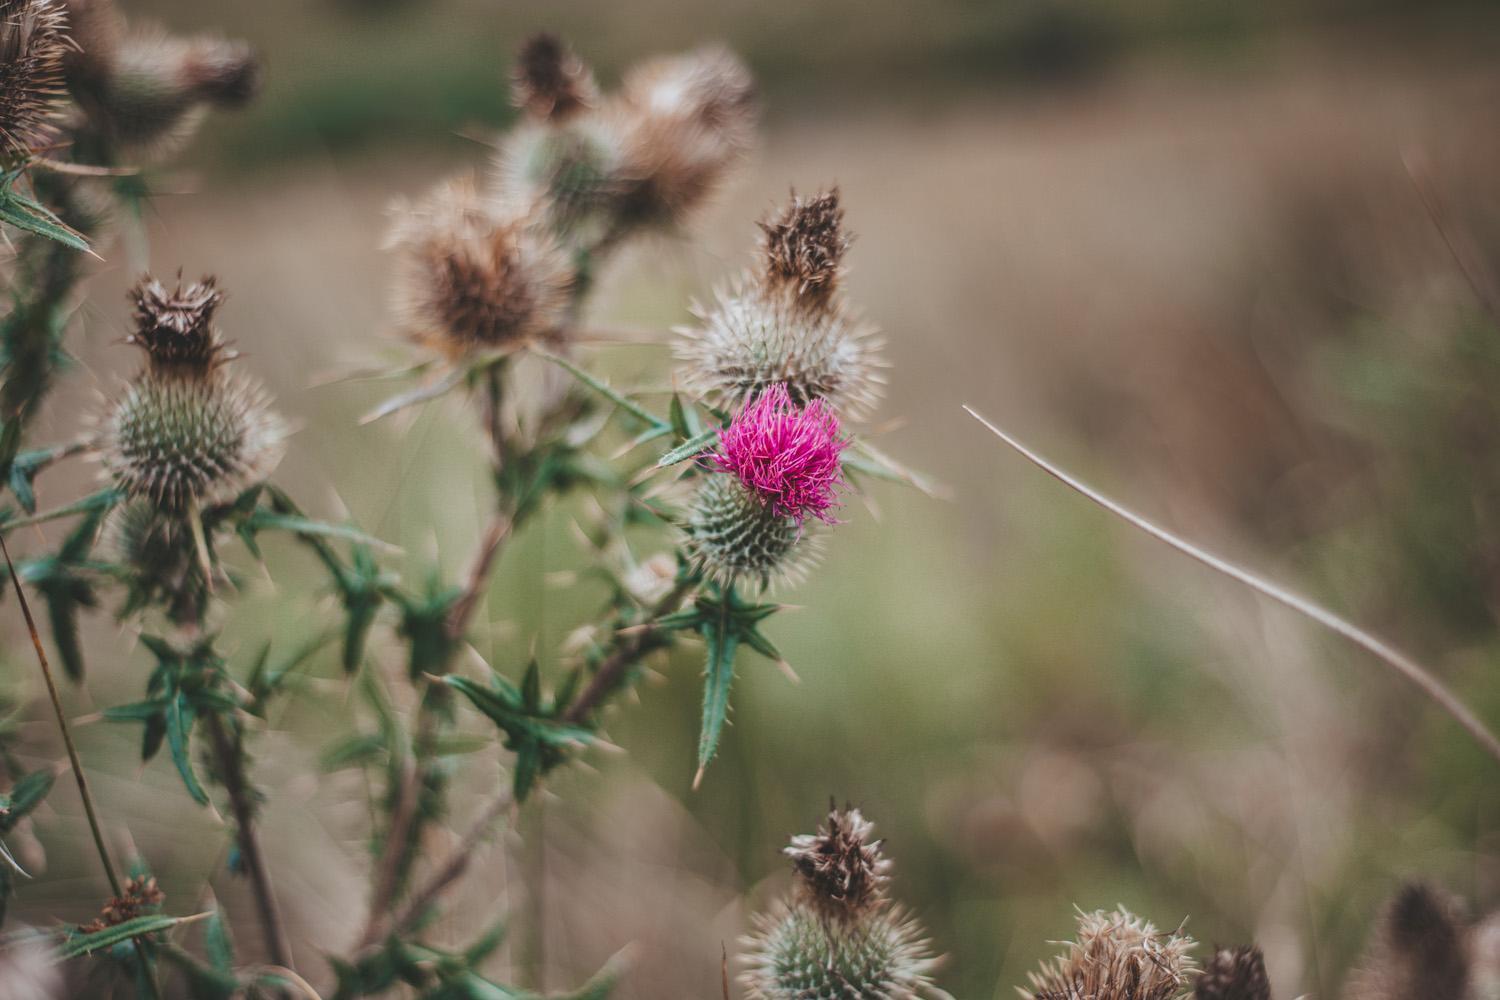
(1176, 245)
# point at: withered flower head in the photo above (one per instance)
(187, 430)
(470, 278)
(838, 936)
(804, 246)
(785, 323)
(1420, 949)
(684, 122)
(841, 865)
(32, 47)
(1234, 974)
(550, 82)
(138, 896)
(176, 327)
(1117, 956)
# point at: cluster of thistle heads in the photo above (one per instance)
(838, 935)
(488, 266)
(73, 72)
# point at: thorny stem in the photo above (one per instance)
(231, 762)
(629, 649)
(495, 535)
(1387, 654)
(74, 761)
(606, 679)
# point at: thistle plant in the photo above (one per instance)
(838, 935)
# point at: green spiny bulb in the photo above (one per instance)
(186, 431)
(159, 551)
(733, 536)
(838, 936)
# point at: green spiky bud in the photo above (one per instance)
(159, 551)
(733, 536)
(837, 937)
(567, 171)
(187, 431)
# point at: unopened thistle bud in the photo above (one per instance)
(471, 279)
(837, 936)
(684, 122)
(784, 322)
(32, 47)
(1234, 974)
(187, 431)
(1117, 956)
(777, 464)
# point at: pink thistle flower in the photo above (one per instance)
(786, 455)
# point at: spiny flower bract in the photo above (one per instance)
(187, 430)
(32, 47)
(837, 937)
(787, 454)
(785, 321)
(732, 536)
(1116, 956)
(471, 277)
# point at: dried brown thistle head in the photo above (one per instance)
(32, 47)
(1420, 950)
(550, 82)
(471, 278)
(684, 121)
(1117, 956)
(176, 327)
(804, 246)
(139, 894)
(841, 867)
(1234, 974)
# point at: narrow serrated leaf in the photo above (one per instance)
(690, 448)
(83, 944)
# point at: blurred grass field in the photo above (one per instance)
(1181, 253)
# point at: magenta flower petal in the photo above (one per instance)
(786, 455)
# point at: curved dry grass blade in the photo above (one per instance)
(1387, 654)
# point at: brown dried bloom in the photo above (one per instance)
(684, 122)
(176, 328)
(471, 279)
(140, 894)
(804, 246)
(1420, 949)
(550, 82)
(144, 90)
(32, 46)
(841, 867)
(1234, 974)
(1117, 956)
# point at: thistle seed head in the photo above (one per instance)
(786, 455)
(684, 122)
(550, 82)
(1234, 974)
(753, 337)
(568, 174)
(804, 247)
(841, 867)
(176, 328)
(470, 279)
(733, 537)
(837, 936)
(1117, 956)
(187, 430)
(796, 953)
(146, 91)
(1421, 949)
(32, 48)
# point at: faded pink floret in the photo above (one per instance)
(787, 455)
